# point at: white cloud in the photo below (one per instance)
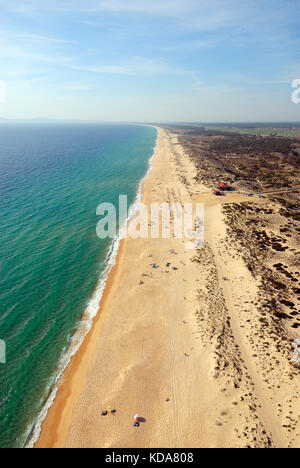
(17, 52)
(76, 87)
(25, 47)
(202, 14)
(137, 66)
(24, 36)
(205, 89)
(141, 6)
(165, 7)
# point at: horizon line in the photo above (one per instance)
(58, 120)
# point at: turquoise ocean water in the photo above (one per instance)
(52, 178)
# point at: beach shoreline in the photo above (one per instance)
(63, 390)
(66, 388)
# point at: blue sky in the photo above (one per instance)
(142, 60)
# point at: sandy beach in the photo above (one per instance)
(183, 349)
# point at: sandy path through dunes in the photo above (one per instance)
(240, 291)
